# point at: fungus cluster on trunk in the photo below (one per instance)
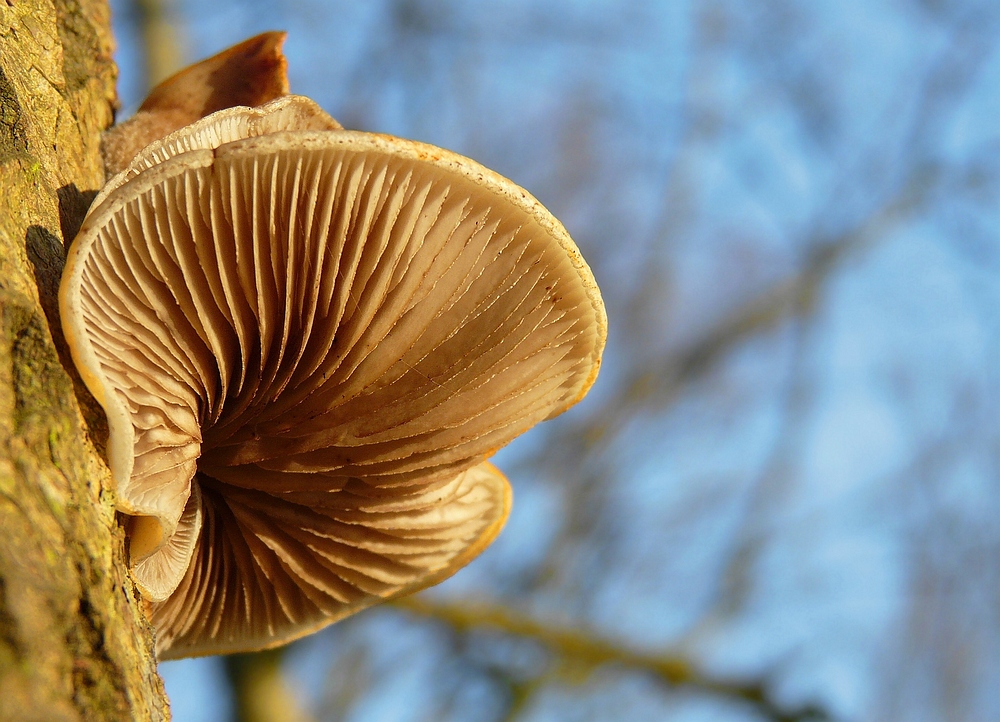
(308, 341)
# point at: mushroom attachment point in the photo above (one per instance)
(308, 341)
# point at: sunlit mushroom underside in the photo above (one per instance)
(269, 568)
(323, 334)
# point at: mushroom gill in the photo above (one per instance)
(308, 341)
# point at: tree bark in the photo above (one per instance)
(74, 642)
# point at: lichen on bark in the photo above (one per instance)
(74, 644)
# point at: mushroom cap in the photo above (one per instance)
(307, 342)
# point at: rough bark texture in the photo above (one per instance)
(74, 644)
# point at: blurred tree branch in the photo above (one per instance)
(585, 652)
(576, 450)
(656, 384)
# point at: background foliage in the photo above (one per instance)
(782, 498)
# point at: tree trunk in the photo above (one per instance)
(74, 643)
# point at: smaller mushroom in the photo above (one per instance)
(248, 74)
(307, 342)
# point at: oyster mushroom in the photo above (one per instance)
(307, 342)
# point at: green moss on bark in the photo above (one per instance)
(74, 644)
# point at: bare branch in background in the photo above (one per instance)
(585, 652)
